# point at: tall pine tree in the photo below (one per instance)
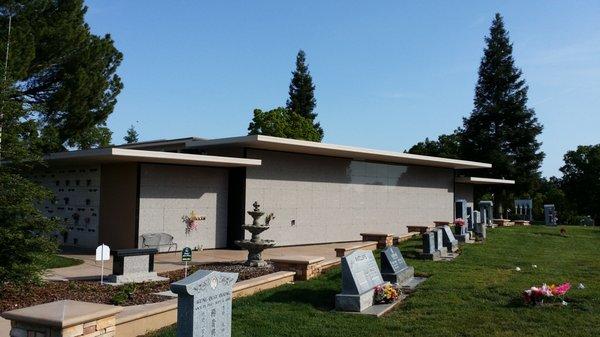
(62, 74)
(132, 135)
(302, 92)
(501, 129)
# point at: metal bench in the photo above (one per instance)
(157, 240)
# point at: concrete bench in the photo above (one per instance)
(305, 267)
(418, 229)
(405, 237)
(522, 223)
(343, 251)
(440, 223)
(383, 239)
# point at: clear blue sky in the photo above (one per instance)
(387, 74)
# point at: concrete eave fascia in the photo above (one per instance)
(113, 155)
(333, 150)
(483, 181)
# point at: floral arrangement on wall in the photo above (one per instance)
(386, 293)
(546, 294)
(191, 221)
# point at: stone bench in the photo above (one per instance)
(502, 222)
(440, 223)
(305, 267)
(134, 265)
(405, 237)
(366, 245)
(522, 223)
(383, 239)
(418, 229)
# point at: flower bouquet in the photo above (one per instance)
(191, 222)
(546, 294)
(459, 224)
(386, 293)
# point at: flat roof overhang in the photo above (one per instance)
(332, 150)
(116, 155)
(483, 181)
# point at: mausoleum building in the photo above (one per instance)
(318, 192)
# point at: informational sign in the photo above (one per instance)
(102, 254)
(186, 254)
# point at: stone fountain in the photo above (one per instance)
(256, 245)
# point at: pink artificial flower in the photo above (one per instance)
(459, 222)
(562, 289)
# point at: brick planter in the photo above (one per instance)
(383, 239)
(64, 319)
(305, 267)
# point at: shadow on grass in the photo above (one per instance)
(573, 304)
(551, 234)
(320, 299)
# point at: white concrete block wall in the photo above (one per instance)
(335, 199)
(168, 192)
(465, 191)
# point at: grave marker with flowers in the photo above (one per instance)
(546, 295)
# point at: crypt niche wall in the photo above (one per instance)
(75, 203)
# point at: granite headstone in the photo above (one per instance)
(450, 241)
(486, 208)
(439, 241)
(393, 267)
(204, 304)
(429, 246)
(360, 275)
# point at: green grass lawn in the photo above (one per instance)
(57, 261)
(477, 294)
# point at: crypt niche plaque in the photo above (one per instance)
(204, 304)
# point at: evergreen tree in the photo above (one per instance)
(132, 135)
(302, 92)
(501, 129)
(62, 75)
(24, 231)
(57, 90)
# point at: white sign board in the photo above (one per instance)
(103, 253)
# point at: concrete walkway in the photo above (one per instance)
(90, 269)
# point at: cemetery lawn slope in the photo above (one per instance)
(477, 294)
(57, 261)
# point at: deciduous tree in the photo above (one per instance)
(581, 179)
(281, 122)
